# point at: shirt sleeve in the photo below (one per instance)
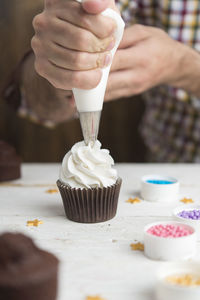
(128, 10)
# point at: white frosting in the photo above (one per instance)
(88, 167)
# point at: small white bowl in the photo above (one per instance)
(168, 291)
(193, 223)
(168, 248)
(156, 192)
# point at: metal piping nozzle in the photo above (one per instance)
(90, 125)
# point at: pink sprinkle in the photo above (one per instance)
(169, 230)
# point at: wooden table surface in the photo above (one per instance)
(96, 259)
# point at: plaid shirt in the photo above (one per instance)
(171, 123)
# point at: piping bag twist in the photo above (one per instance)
(89, 103)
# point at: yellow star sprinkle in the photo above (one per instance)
(198, 282)
(133, 200)
(184, 280)
(187, 200)
(137, 246)
(52, 191)
(35, 223)
(94, 298)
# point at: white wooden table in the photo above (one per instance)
(96, 259)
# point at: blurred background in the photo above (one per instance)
(35, 143)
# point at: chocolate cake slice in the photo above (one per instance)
(9, 162)
(26, 272)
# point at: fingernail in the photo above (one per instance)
(107, 59)
(111, 45)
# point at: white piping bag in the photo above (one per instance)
(89, 103)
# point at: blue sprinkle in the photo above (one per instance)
(159, 181)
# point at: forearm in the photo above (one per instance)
(187, 75)
(45, 101)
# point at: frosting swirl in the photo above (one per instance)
(88, 167)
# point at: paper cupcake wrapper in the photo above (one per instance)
(9, 171)
(90, 205)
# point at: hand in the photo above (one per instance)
(72, 42)
(147, 57)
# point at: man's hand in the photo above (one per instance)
(147, 57)
(72, 42)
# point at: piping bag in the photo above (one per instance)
(89, 103)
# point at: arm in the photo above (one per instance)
(148, 57)
(188, 75)
(41, 98)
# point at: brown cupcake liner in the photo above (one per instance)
(90, 205)
(9, 172)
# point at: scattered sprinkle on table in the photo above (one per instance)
(137, 246)
(94, 298)
(133, 200)
(52, 191)
(35, 223)
(184, 280)
(187, 200)
(190, 214)
(169, 231)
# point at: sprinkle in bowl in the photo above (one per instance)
(169, 240)
(178, 280)
(189, 215)
(159, 188)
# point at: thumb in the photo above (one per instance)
(97, 6)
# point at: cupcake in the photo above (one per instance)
(88, 184)
(26, 272)
(9, 162)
